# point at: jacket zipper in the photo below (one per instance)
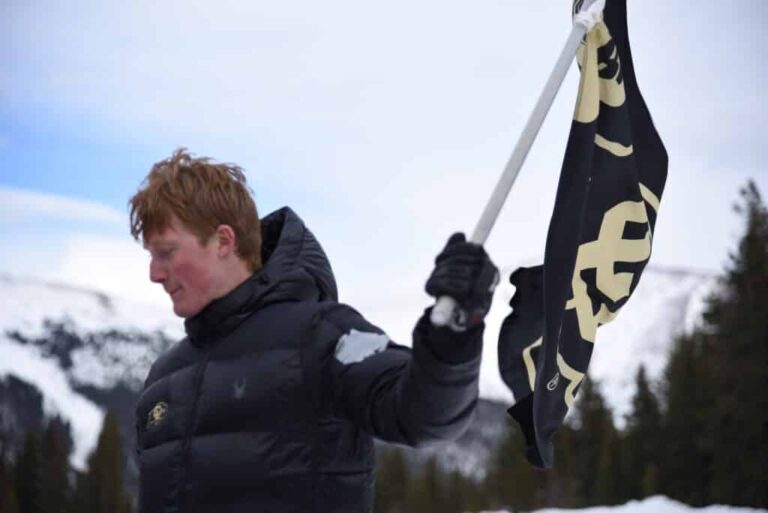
(187, 441)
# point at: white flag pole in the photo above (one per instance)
(445, 311)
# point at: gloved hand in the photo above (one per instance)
(464, 272)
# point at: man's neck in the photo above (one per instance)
(234, 277)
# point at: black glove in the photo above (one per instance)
(464, 272)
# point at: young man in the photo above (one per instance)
(271, 402)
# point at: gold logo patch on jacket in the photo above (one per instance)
(157, 414)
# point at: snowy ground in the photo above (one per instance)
(657, 504)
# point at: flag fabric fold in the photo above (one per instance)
(599, 238)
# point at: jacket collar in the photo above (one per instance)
(295, 269)
(223, 315)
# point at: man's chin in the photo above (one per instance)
(185, 312)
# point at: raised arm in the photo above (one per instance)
(422, 395)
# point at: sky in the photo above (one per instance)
(384, 126)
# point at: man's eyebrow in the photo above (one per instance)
(160, 245)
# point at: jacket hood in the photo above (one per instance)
(295, 268)
(293, 258)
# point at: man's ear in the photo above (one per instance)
(226, 240)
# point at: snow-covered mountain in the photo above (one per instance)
(84, 351)
(69, 343)
(667, 303)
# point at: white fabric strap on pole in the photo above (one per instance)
(445, 312)
(590, 15)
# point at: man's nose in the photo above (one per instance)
(156, 272)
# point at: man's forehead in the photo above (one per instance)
(165, 236)
(174, 231)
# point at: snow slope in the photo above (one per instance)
(666, 304)
(657, 504)
(117, 340)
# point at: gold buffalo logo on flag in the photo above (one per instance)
(599, 238)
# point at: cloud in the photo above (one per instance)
(115, 265)
(400, 136)
(21, 203)
(111, 264)
(385, 132)
(304, 74)
(75, 241)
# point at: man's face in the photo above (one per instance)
(186, 269)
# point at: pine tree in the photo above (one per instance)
(463, 494)
(559, 487)
(642, 441)
(391, 482)
(455, 494)
(687, 454)
(55, 493)
(28, 476)
(610, 482)
(8, 501)
(81, 501)
(100, 489)
(594, 446)
(512, 482)
(737, 322)
(426, 493)
(716, 419)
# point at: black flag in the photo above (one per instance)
(599, 238)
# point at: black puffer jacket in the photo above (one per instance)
(271, 402)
